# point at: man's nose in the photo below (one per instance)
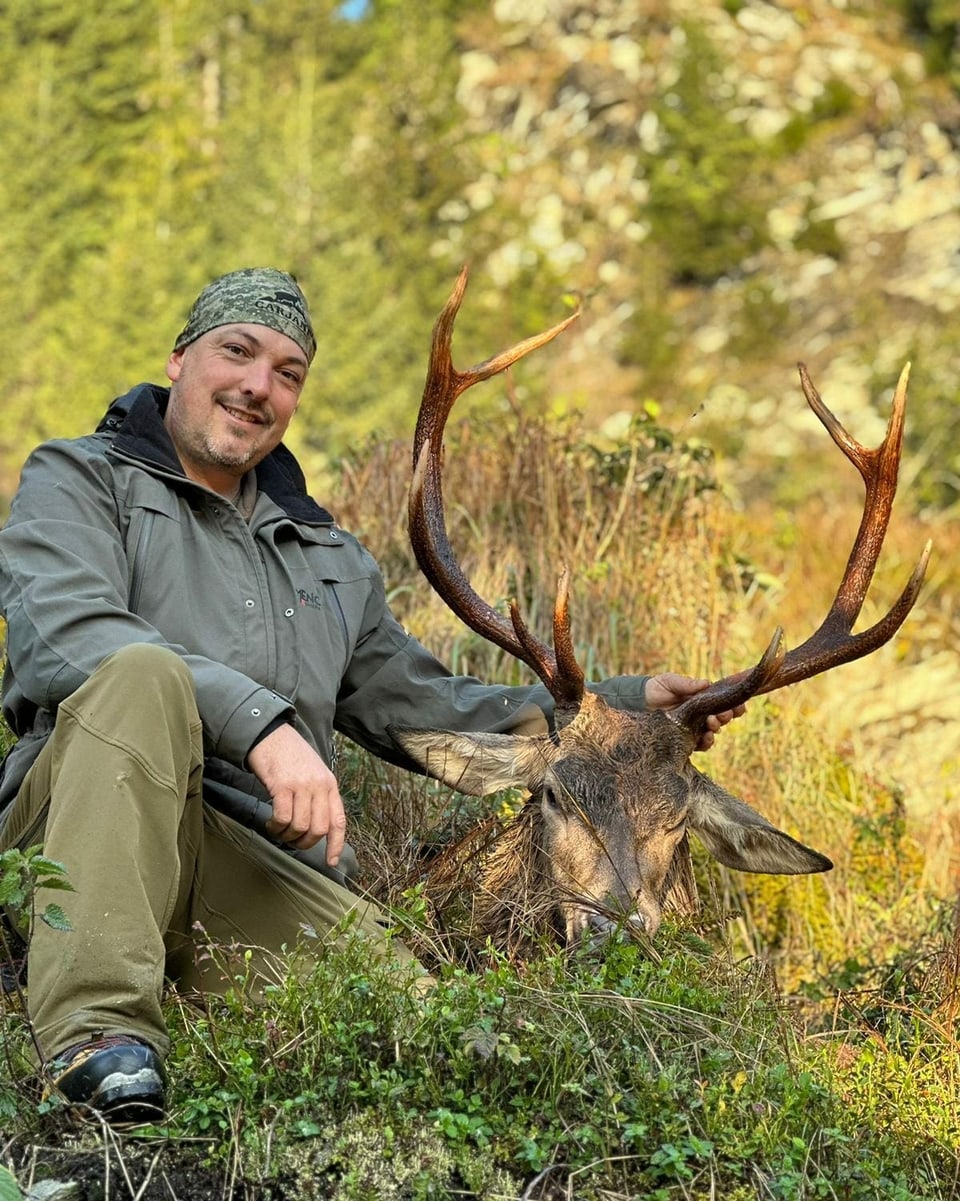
(256, 379)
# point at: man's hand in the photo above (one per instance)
(666, 691)
(304, 792)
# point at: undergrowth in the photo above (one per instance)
(618, 1071)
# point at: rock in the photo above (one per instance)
(54, 1190)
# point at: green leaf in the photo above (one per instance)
(52, 867)
(9, 1189)
(54, 917)
(479, 1041)
(12, 892)
(55, 882)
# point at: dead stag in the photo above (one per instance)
(602, 837)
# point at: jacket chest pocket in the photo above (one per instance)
(327, 617)
(330, 594)
(148, 529)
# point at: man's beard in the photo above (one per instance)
(233, 455)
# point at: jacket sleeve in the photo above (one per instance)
(394, 680)
(63, 591)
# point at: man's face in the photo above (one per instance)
(233, 392)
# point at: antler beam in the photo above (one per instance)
(833, 643)
(557, 667)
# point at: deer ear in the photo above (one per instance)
(477, 764)
(739, 837)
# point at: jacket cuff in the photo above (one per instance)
(259, 712)
(623, 692)
(283, 720)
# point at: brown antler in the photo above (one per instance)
(832, 643)
(557, 668)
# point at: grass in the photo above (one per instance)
(798, 1040)
(676, 1074)
(638, 1074)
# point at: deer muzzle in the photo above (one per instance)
(583, 918)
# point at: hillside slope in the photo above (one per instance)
(823, 137)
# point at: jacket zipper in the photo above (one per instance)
(139, 561)
(340, 613)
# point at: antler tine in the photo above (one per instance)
(732, 690)
(879, 469)
(444, 384)
(567, 687)
(833, 644)
(569, 669)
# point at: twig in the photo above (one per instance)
(146, 1180)
(528, 1194)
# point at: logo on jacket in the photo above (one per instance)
(311, 600)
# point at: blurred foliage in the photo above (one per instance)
(937, 22)
(149, 147)
(708, 191)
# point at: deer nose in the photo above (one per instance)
(601, 923)
(648, 922)
(643, 917)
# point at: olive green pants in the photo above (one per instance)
(115, 796)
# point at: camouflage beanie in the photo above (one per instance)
(255, 296)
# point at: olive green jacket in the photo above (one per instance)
(279, 616)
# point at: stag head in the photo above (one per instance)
(613, 794)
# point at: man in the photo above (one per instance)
(184, 623)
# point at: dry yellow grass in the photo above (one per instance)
(670, 576)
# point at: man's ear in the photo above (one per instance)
(175, 364)
(477, 764)
(739, 837)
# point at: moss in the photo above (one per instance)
(363, 1159)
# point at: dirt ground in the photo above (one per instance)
(126, 1170)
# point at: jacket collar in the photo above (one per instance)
(136, 420)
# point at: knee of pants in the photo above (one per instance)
(140, 678)
(144, 662)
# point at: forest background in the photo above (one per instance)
(726, 188)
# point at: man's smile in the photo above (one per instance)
(245, 416)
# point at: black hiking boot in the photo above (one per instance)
(118, 1076)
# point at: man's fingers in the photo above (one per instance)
(326, 819)
(304, 792)
(718, 720)
(337, 832)
(301, 820)
(282, 803)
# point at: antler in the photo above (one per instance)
(832, 643)
(557, 668)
